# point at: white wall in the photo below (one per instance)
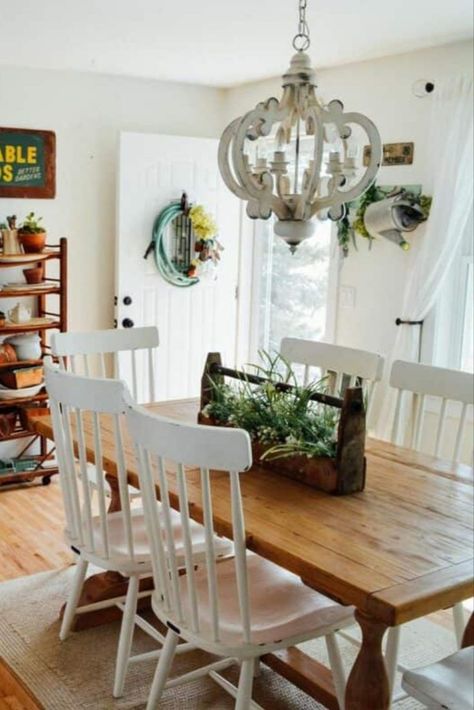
(87, 112)
(382, 90)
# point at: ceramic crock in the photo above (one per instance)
(20, 313)
(27, 346)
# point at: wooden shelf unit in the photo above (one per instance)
(13, 329)
(57, 286)
(11, 403)
(13, 293)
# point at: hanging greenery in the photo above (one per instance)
(353, 224)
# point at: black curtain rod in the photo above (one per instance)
(399, 321)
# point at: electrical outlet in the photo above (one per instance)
(347, 297)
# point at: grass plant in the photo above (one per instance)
(288, 423)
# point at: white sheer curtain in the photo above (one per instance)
(451, 147)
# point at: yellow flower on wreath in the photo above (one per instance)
(203, 223)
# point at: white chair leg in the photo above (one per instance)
(459, 622)
(337, 669)
(74, 594)
(126, 636)
(391, 654)
(244, 693)
(162, 670)
(257, 667)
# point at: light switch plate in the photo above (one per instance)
(347, 297)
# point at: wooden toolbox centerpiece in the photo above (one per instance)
(340, 475)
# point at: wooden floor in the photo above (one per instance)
(31, 530)
(13, 695)
(31, 541)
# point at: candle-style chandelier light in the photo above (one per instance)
(297, 158)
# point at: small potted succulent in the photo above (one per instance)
(32, 234)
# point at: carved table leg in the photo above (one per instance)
(468, 637)
(368, 686)
(115, 503)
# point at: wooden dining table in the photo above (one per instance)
(397, 551)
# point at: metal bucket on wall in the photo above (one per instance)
(393, 216)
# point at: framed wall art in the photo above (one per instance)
(393, 154)
(27, 163)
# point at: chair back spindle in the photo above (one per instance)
(342, 367)
(415, 384)
(89, 410)
(131, 350)
(177, 456)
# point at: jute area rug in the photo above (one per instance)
(78, 673)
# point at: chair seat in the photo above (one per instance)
(118, 548)
(446, 684)
(92, 478)
(281, 606)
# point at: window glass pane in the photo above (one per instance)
(292, 288)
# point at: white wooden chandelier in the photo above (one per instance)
(312, 168)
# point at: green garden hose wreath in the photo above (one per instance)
(163, 263)
(205, 243)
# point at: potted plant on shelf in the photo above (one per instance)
(32, 235)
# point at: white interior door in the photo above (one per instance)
(153, 171)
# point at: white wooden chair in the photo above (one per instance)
(117, 541)
(239, 608)
(418, 382)
(343, 367)
(88, 354)
(415, 383)
(445, 685)
(104, 352)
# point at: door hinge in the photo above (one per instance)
(237, 292)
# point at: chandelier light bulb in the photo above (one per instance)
(311, 165)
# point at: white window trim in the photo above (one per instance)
(457, 313)
(468, 268)
(444, 326)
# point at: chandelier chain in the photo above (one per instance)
(301, 40)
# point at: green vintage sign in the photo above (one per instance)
(27, 163)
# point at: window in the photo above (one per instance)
(467, 343)
(293, 294)
(453, 316)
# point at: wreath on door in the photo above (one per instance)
(191, 249)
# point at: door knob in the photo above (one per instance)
(127, 301)
(128, 323)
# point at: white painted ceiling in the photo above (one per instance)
(217, 42)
